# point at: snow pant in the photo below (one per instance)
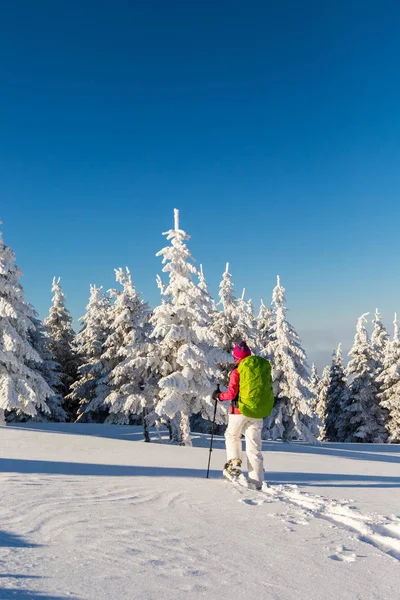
(252, 429)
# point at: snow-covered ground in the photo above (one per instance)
(92, 512)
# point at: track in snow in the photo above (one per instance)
(381, 532)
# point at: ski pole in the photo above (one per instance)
(212, 433)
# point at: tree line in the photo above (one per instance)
(131, 364)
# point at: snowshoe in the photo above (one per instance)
(233, 472)
(257, 487)
(236, 479)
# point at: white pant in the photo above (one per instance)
(252, 429)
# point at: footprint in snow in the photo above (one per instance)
(251, 502)
(343, 554)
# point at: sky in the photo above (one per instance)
(273, 126)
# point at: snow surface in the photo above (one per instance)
(92, 512)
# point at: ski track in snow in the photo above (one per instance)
(381, 532)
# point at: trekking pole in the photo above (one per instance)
(212, 433)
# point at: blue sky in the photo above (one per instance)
(272, 126)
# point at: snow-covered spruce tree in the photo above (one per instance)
(119, 323)
(23, 391)
(247, 323)
(131, 382)
(292, 417)
(379, 339)
(185, 354)
(50, 371)
(89, 347)
(336, 415)
(209, 300)
(197, 423)
(320, 405)
(367, 420)
(225, 323)
(389, 380)
(61, 336)
(266, 330)
(315, 381)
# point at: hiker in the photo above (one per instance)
(251, 396)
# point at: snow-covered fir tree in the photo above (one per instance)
(379, 339)
(266, 330)
(89, 347)
(131, 381)
(184, 354)
(225, 323)
(389, 380)
(367, 420)
(292, 416)
(320, 404)
(61, 336)
(315, 381)
(23, 391)
(121, 323)
(247, 323)
(49, 369)
(209, 300)
(337, 401)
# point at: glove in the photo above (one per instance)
(215, 395)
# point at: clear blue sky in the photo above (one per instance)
(273, 126)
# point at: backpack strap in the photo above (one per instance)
(235, 402)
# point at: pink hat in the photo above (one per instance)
(241, 350)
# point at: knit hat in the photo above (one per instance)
(241, 350)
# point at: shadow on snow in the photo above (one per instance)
(21, 594)
(13, 465)
(11, 540)
(357, 451)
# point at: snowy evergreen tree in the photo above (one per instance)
(49, 369)
(23, 391)
(321, 402)
(131, 381)
(184, 356)
(209, 302)
(367, 421)
(389, 380)
(121, 324)
(266, 330)
(89, 347)
(337, 401)
(61, 336)
(226, 321)
(246, 323)
(314, 386)
(292, 416)
(379, 339)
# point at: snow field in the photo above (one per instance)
(92, 512)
